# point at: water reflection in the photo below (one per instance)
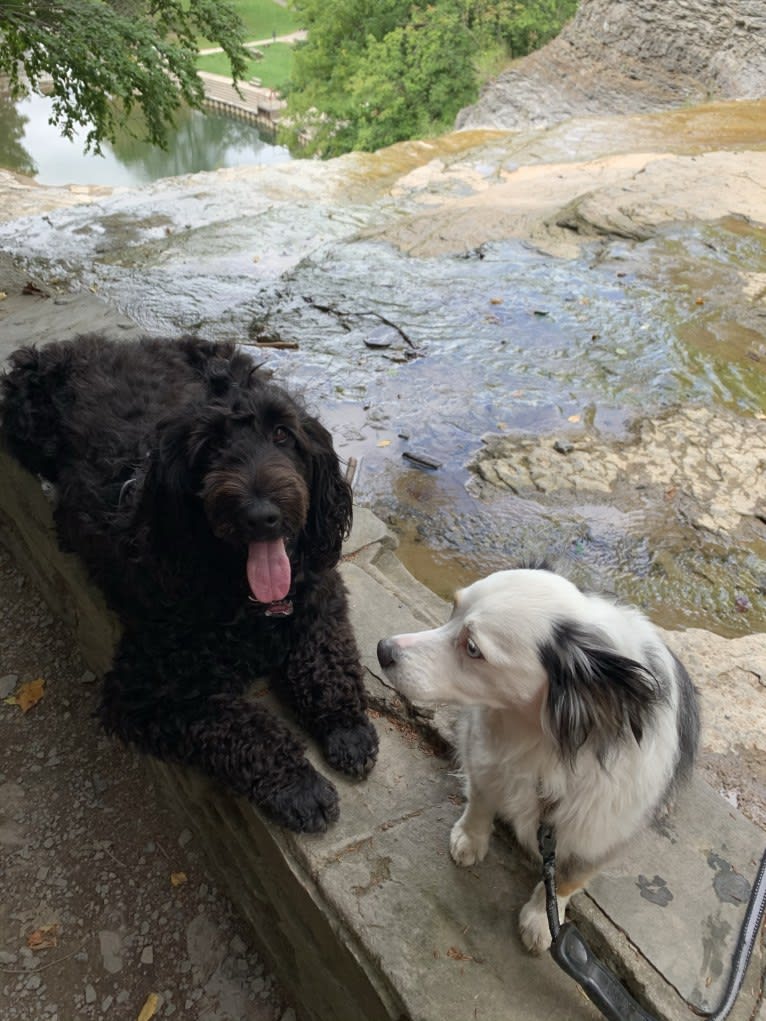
(29, 144)
(13, 155)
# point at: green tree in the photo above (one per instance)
(319, 99)
(101, 59)
(373, 72)
(522, 25)
(414, 80)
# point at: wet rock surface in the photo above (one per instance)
(687, 488)
(20, 196)
(608, 269)
(715, 463)
(105, 899)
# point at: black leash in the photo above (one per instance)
(602, 987)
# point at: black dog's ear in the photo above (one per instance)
(594, 692)
(174, 475)
(330, 509)
(30, 397)
(182, 441)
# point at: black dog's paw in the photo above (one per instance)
(306, 802)
(353, 749)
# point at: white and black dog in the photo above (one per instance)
(577, 713)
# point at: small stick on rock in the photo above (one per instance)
(422, 460)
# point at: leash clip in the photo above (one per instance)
(546, 843)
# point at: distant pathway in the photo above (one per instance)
(292, 37)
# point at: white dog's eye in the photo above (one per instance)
(472, 649)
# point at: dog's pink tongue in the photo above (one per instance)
(268, 571)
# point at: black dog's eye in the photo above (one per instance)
(280, 435)
(472, 649)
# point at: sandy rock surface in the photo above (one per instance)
(714, 461)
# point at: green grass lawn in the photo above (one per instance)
(273, 71)
(261, 18)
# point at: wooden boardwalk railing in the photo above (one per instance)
(252, 102)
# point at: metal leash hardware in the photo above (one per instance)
(602, 987)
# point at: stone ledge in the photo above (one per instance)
(372, 920)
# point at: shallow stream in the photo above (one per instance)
(423, 356)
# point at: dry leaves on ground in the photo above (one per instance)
(28, 694)
(44, 937)
(149, 1009)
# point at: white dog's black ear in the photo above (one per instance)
(595, 694)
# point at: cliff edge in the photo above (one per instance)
(629, 56)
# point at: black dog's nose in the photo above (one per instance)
(264, 519)
(386, 652)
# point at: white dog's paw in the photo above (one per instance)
(533, 927)
(533, 920)
(465, 847)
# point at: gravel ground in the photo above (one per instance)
(105, 905)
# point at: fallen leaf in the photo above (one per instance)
(178, 878)
(458, 955)
(496, 301)
(699, 301)
(44, 937)
(149, 1009)
(384, 443)
(573, 418)
(28, 695)
(30, 288)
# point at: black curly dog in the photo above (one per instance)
(210, 508)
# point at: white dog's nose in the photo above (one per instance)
(386, 652)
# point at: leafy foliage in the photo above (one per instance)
(373, 72)
(100, 60)
(521, 25)
(413, 80)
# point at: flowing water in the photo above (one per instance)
(409, 356)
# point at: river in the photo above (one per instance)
(198, 141)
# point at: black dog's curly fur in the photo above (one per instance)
(172, 458)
